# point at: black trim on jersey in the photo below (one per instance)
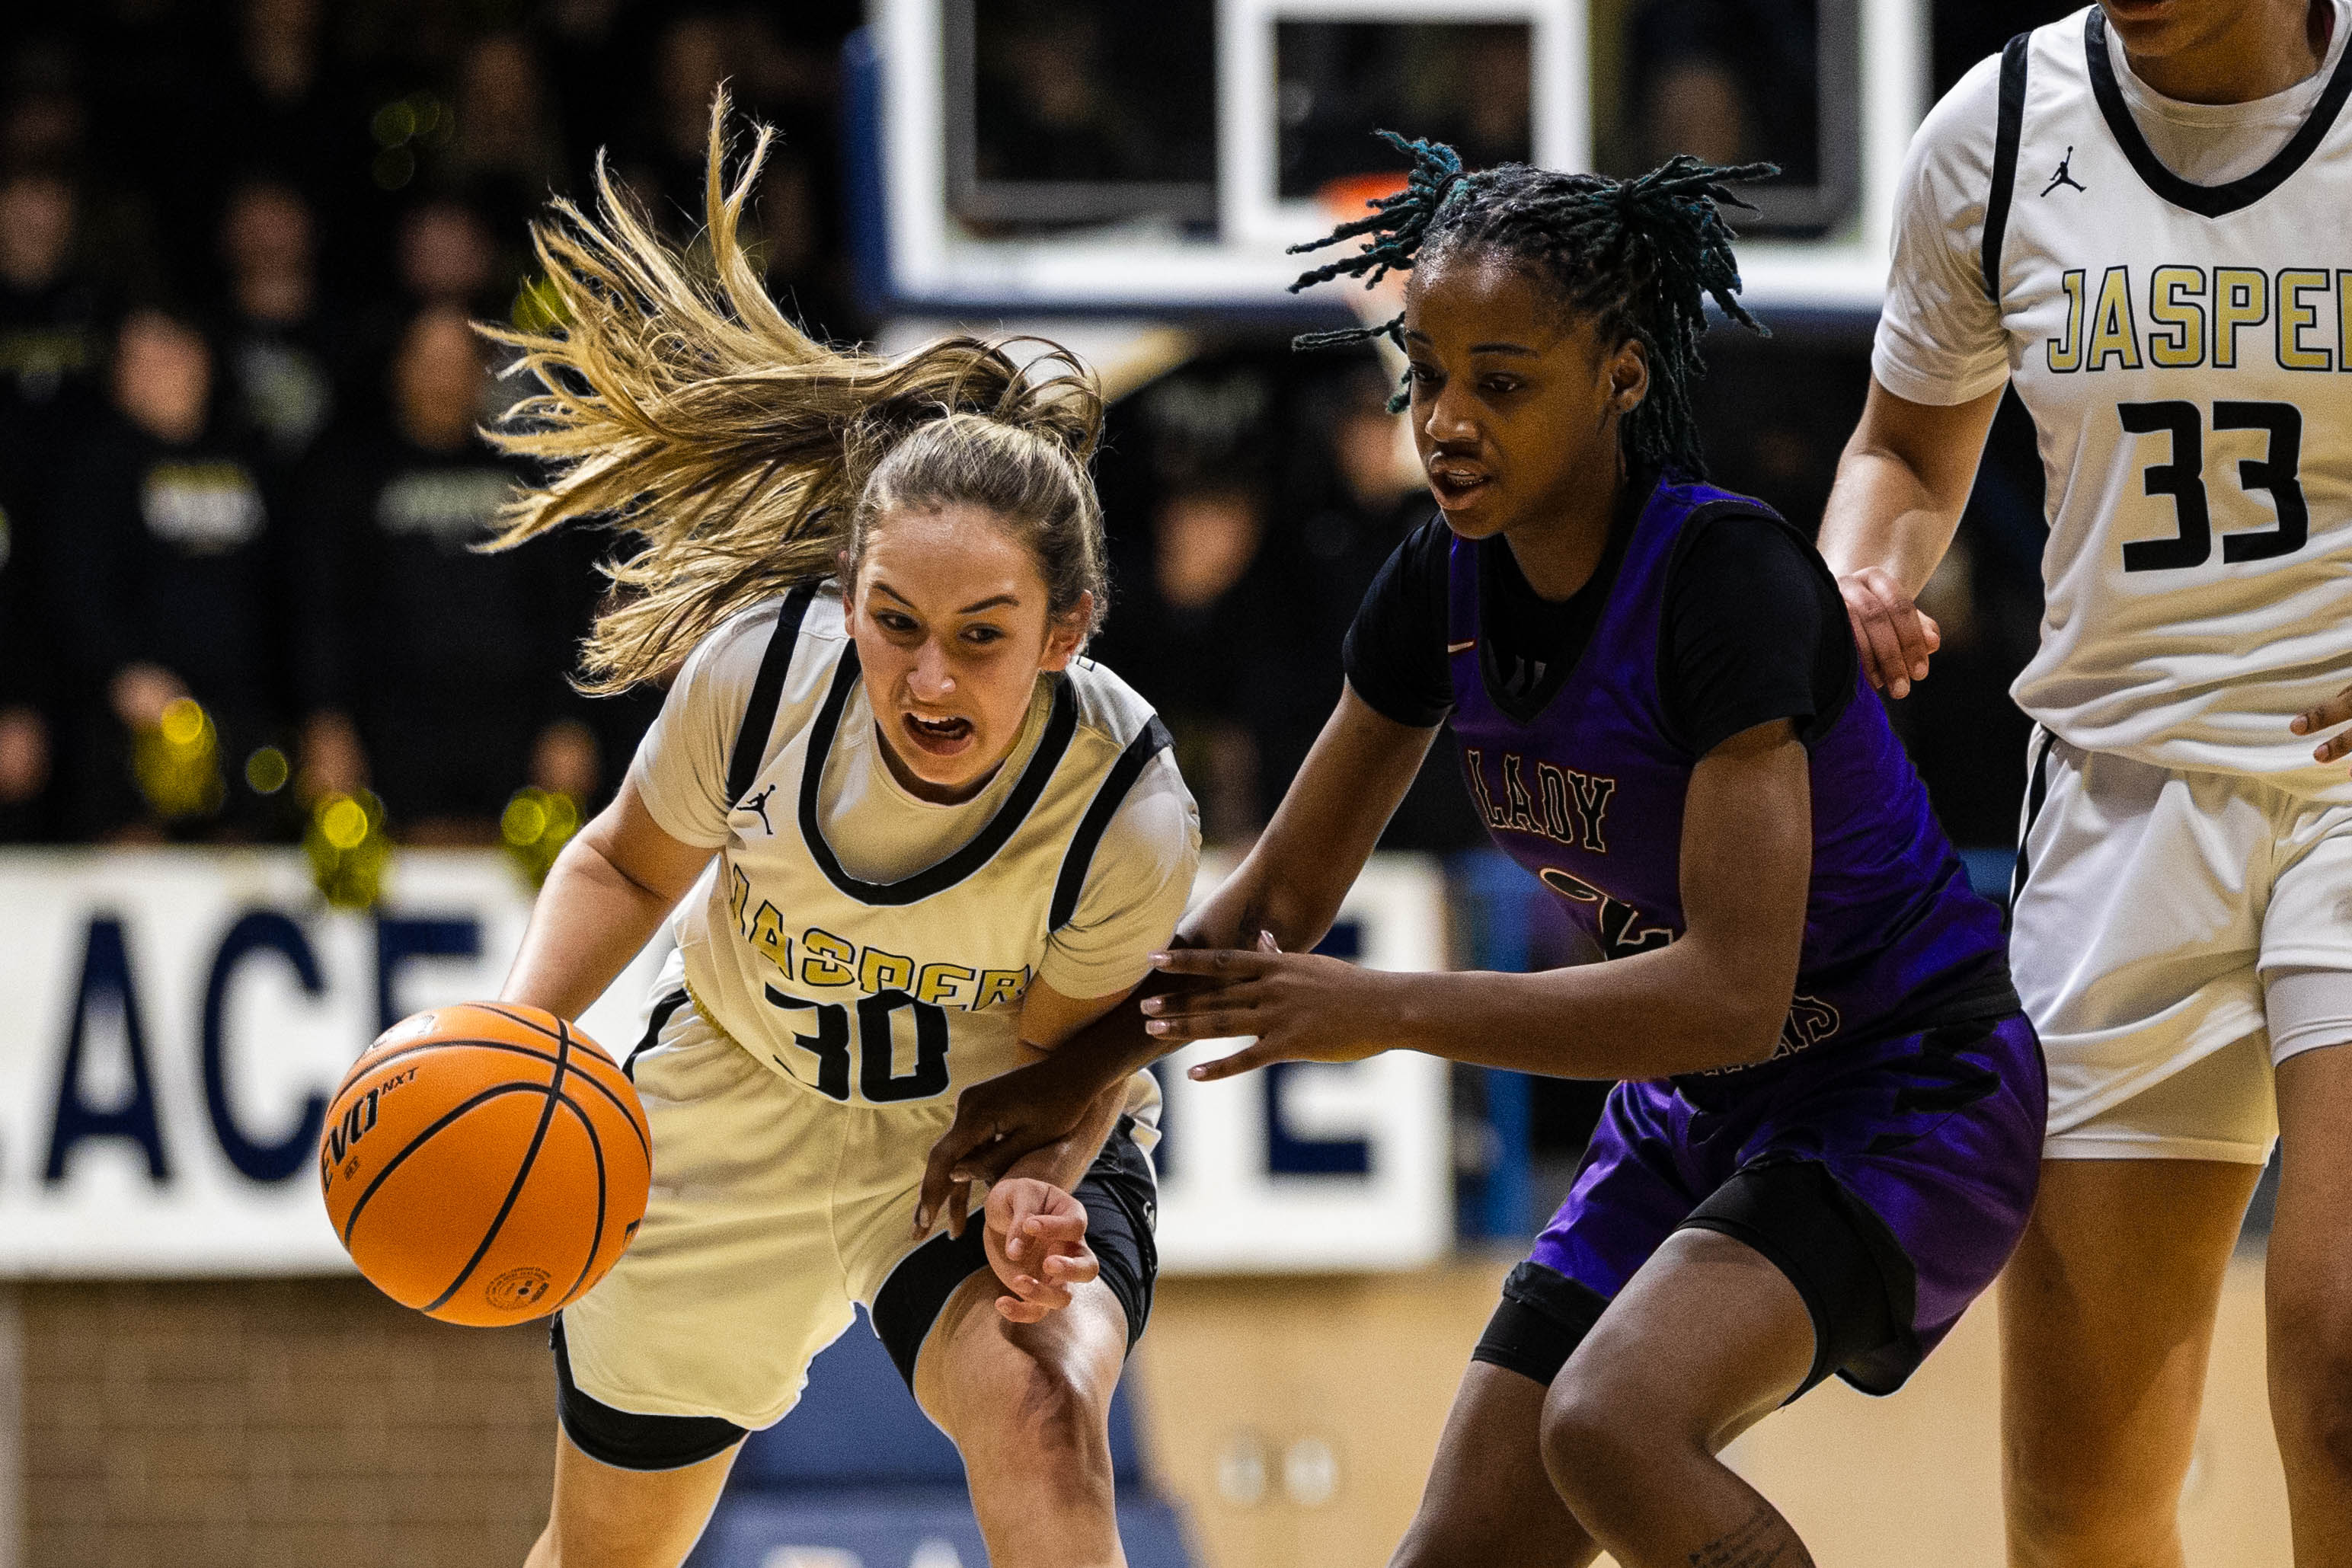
(2036, 793)
(767, 690)
(2007, 128)
(979, 851)
(1097, 822)
(2206, 201)
(655, 1021)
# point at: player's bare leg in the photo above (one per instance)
(2106, 1321)
(1490, 1502)
(604, 1517)
(2308, 1282)
(1704, 1342)
(1029, 1407)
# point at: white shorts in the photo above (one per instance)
(774, 1212)
(2175, 935)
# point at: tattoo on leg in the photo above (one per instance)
(1764, 1541)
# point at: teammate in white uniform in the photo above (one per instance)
(2140, 217)
(913, 839)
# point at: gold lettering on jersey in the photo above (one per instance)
(826, 959)
(880, 971)
(939, 984)
(2066, 353)
(1589, 794)
(1567, 807)
(2114, 333)
(2175, 303)
(767, 934)
(2194, 320)
(1001, 986)
(1487, 813)
(2344, 320)
(2241, 298)
(1573, 805)
(738, 890)
(2295, 318)
(1516, 790)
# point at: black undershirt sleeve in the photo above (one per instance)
(1755, 630)
(1394, 653)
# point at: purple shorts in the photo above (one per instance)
(1889, 1180)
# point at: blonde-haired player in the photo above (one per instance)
(913, 839)
(2138, 217)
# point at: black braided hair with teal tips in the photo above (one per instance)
(1642, 256)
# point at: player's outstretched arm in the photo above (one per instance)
(1902, 482)
(1715, 996)
(1291, 885)
(604, 896)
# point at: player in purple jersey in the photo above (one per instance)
(1826, 1136)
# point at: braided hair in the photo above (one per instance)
(1641, 257)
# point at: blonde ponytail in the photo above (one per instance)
(679, 407)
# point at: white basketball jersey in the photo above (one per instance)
(882, 992)
(2186, 353)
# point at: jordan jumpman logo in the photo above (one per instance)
(2063, 178)
(758, 803)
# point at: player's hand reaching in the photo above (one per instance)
(1891, 632)
(998, 1122)
(2335, 711)
(1035, 1235)
(1300, 1006)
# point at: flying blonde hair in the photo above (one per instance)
(680, 408)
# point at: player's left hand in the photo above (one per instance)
(1300, 1007)
(2336, 710)
(1035, 1235)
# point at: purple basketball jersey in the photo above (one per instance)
(1588, 796)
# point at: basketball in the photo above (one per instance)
(485, 1163)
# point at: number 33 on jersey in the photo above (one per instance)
(2185, 353)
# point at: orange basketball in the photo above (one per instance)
(485, 1163)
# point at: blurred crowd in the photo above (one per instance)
(241, 244)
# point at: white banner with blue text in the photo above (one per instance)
(172, 1022)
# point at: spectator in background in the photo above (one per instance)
(280, 108)
(805, 273)
(1210, 637)
(50, 348)
(666, 161)
(508, 150)
(1041, 89)
(445, 258)
(1725, 79)
(45, 125)
(1363, 492)
(789, 86)
(160, 558)
(431, 671)
(448, 259)
(285, 352)
(50, 337)
(1208, 625)
(27, 660)
(1205, 620)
